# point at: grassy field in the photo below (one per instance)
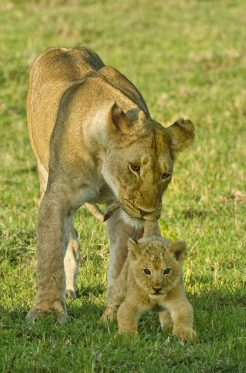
(188, 58)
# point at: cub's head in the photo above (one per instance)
(139, 160)
(156, 264)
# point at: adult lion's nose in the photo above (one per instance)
(144, 213)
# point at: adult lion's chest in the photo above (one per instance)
(105, 194)
(95, 191)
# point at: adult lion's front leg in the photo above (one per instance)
(118, 233)
(52, 239)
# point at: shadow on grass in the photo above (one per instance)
(218, 299)
(90, 290)
(217, 314)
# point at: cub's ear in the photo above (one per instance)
(182, 134)
(133, 249)
(179, 250)
(119, 119)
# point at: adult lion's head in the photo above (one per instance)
(139, 162)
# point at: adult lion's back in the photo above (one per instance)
(53, 72)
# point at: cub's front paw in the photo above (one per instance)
(109, 315)
(127, 331)
(58, 310)
(165, 320)
(184, 335)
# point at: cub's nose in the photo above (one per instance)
(157, 290)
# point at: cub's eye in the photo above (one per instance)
(166, 271)
(146, 271)
(165, 176)
(135, 168)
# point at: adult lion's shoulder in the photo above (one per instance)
(123, 84)
(65, 64)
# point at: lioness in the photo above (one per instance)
(95, 142)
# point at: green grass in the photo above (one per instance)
(188, 59)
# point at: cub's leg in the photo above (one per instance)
(55, 216)
(127, 317)
(182, 316)
(165, 319)
(115, 300)
(118, 233)
(72, 257)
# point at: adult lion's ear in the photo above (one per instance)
(120, 120)
(133, 249)
(182, 134)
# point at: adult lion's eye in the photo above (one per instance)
(165, 176)
(166, 271)
(135, 168)
(146, 271)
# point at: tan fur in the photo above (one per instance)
(95, 142)
(136, 291)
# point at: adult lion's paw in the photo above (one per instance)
(57, 310)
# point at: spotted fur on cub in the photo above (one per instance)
(151, 279)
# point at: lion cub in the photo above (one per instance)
(151, 279)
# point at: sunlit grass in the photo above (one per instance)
(188, 59)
